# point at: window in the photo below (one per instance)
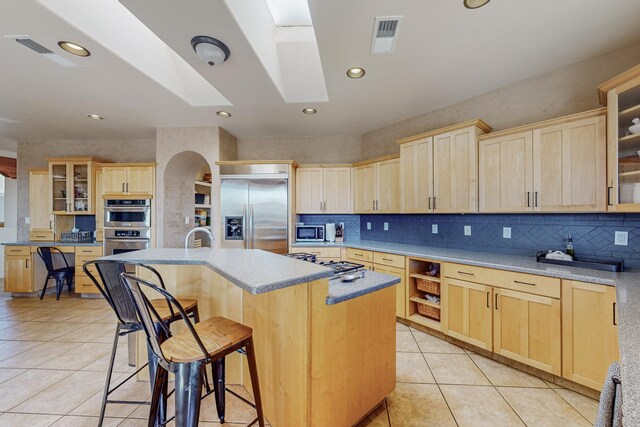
(2, 178)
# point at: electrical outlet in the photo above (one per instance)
(187, 220)
(467, 230)
(368, 226)
(506, 232)
(27, 220)
(434, 228)
(386, 226)
(621, 238)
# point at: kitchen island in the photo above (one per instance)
(325, 349)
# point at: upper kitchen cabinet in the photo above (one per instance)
(439, 169)
(325, 189)
(71, 186)
(552, 166)
(128, 180)
(40, 219)
(621, 96)
(376, 185)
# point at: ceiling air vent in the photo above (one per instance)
(33, 45)
(385, 32)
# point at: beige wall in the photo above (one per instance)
(33, 154)
(325, 149)
(568, 90)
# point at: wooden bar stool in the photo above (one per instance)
(111, 287)
(187, 354)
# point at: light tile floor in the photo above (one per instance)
(54, 356)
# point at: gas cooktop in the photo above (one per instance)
(339, 267)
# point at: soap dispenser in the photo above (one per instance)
(570, 250)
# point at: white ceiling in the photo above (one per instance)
(444, 54)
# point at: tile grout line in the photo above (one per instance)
(569, 403)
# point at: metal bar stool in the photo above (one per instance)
(112, 289)
(61, 275)
(187, 354)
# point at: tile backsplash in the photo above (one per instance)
(351, 223)
(593, 234)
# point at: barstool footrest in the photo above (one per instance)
(129, 402)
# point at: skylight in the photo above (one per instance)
(290, 13)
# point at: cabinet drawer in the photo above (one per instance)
(84, 285)
(17, 250)
(320, 252)
(390, 260)
(529, 283)
(367, 265)
(360, 255)
(41, 236)
(89, 250)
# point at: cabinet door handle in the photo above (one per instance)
(496, 301)
(614, 314)
(127, 187)
(123, 187)
(434, 203)
(387, 259)
(26, 261)
(465, 273)
(429, 202)
(528, 199)
(488, 293)
(373, 205)
(50, 225)
(609, 196)
(535, 203)
(523, 283)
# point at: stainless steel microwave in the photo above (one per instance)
(309, 233)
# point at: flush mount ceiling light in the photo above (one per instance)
(309, 110)
(210, 50)
(474, 4)
(95, 117)
(224, 114)
(74, 48)
(355, 73)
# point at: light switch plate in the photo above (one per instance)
(27, 220)
(186, 220)
(434, 228)
(386, 226)
(467, 230)
(368, 226)
(506, 232)
(621, 238)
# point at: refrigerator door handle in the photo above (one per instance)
(251, 226)
(245, 226)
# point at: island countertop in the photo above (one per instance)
(256, 271)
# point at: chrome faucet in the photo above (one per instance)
(194, 230)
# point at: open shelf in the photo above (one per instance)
(416, 298)
(417, 272)
(629, 139)
(630, 173)
(425, 277)
(203, 206)
(629, 113)
(425, 321)
(203, 183)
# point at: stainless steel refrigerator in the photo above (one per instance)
(254, 207)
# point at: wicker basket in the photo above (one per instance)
(429, 311)
(629, 163)
(428, 286)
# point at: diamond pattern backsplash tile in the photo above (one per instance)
(593, 234)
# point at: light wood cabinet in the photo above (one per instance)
(41, 227)
(416, 176)
(18, 269)
(323, 190)
(527, 329)
(377, 186)
(467, 312)
(515, 315)
(589, 332)
(99, 203)
(621, 96)
(440, 168)
(553, 166)
(401, 296)
(506, 173)
(131, 180)
(71, 186)
(83, 254)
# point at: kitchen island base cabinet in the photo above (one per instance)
(318, 364)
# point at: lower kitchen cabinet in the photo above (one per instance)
(589, 332)
(467, 312)
(526, 328)
(83, 284)
(400, 287)
(18, 269)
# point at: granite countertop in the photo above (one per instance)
(627, 296)
(30, 243)
(372, 281)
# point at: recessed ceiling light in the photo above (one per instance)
(224, 114)
(95, 117)
(309, 110)
(73, 48)
(355, 73)
(474, 4)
